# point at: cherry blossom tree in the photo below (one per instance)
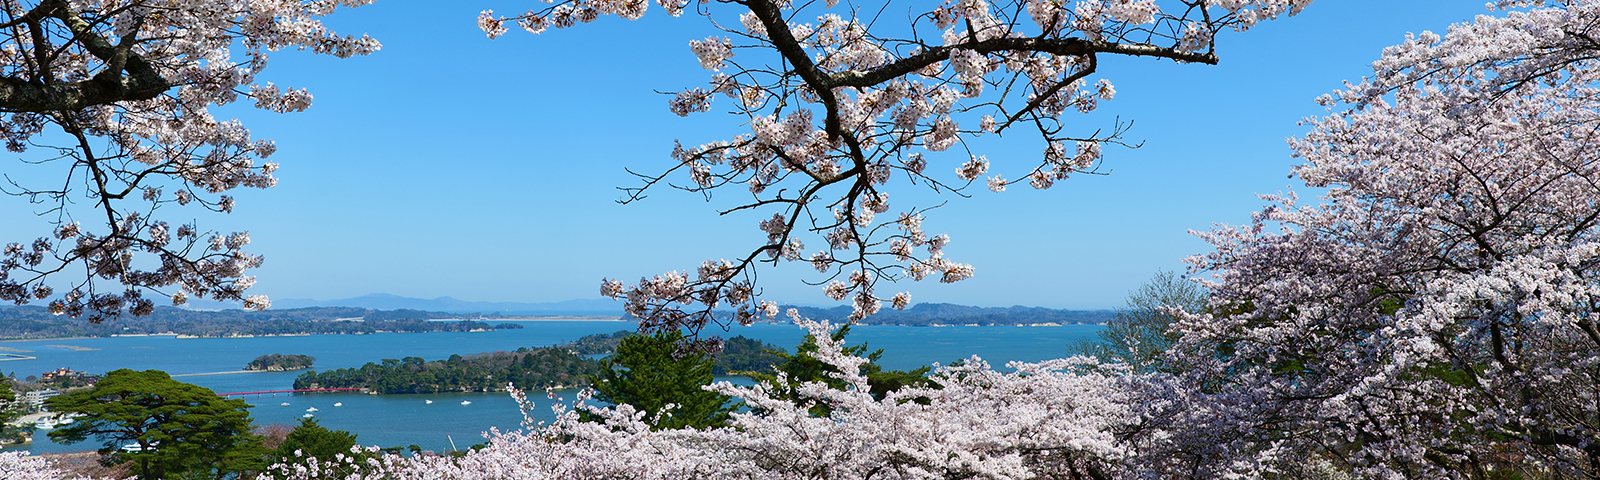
(845, 104)
(1435, 316)
(21, 466)
(120, 94)
(1432, 317)
(1054, 419)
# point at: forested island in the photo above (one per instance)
(937, 314)
(738, 354)
(529, 368)
(947, 314)
(33, 322)
(274, 362)
(568, 365)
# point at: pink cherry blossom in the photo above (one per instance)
(842, 109)
(151, 142)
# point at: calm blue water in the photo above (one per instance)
(398, 420)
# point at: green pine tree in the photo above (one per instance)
(10, 411)
(649, 372)
(312, 440)
(181, 430)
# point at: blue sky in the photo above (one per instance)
(450, 164)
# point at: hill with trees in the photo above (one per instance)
(277, 362)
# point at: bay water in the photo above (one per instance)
(443, 422)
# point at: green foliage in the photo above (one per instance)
(279, 362)
(599, 343)
(1140, 332)
(738, 354)
(803, 366)
(743, 354)
(649, 372)
(312, 440)
(182, 430)
(10, 409)
(537, 368)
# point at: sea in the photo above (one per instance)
(453, 421)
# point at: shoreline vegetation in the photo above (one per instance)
(569, 365)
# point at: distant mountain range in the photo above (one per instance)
(33, 321)
(375, 313)
(919, 314)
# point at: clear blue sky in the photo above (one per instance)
(450, 164)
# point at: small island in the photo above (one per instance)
(276, 362)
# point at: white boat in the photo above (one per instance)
(430, 402)
(311, 409)
(465, 402)
(338, 404)
(284, 404)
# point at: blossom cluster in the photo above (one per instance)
(18, 465)
(150, 149)
(1434, 314)
(1036, 420)
(840, 113)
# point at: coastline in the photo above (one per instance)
(510, 320)
(41, 339)
(531, 319)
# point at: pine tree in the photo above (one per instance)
(10, 410)
(181, 430)
(650, 372)
(312, 440)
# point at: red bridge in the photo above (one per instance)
(297, 390)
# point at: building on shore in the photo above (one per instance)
(35, 399)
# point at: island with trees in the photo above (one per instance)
(276, 362)
(574, 364)
(530, 368)
(734, 356)
(942, 314)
